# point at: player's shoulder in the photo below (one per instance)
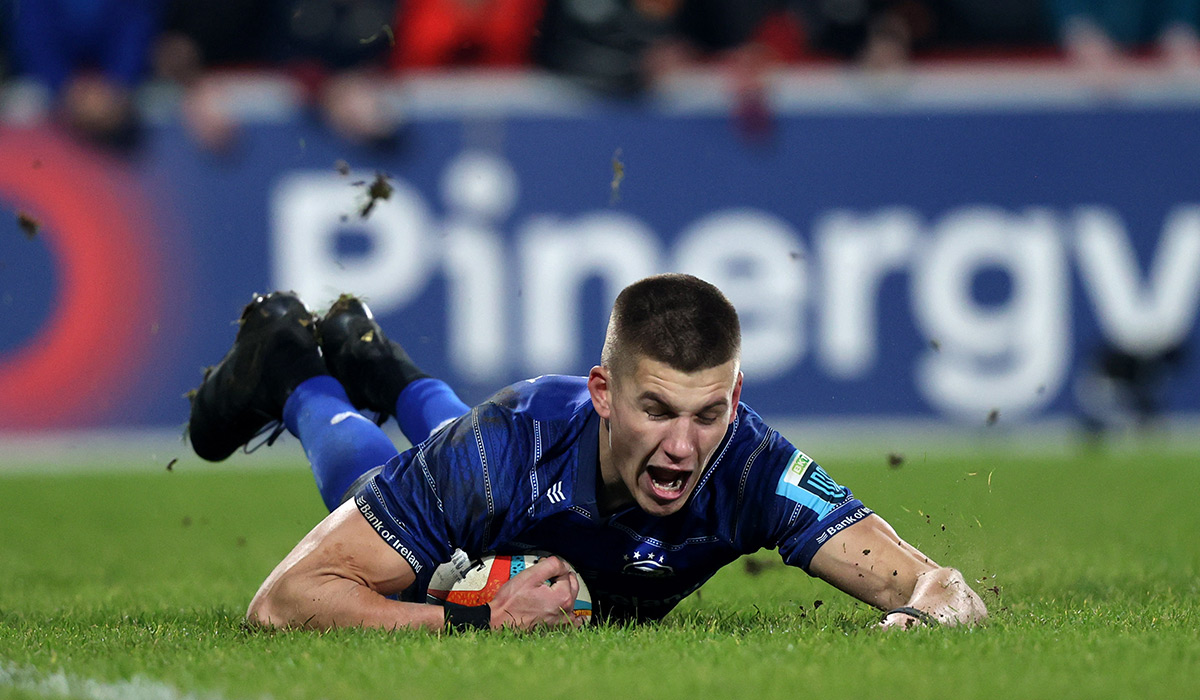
(531, 413)
(750, 424)
(750, 435)
(780, 469)
(754, 450)
(550, 397)
(530, 433)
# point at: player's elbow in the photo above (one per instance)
(259, 614)
(263, 612)
(274, 604)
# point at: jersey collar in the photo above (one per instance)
(587, 470)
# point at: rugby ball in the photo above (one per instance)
(467, 582)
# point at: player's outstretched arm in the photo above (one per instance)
(340, 574)
(869, 561)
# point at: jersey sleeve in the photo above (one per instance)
(441, 495)
(795, 506)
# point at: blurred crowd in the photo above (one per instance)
(89, 55)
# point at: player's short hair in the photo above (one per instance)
(679, 320)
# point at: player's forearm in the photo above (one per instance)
(870, 562)
(331, 601)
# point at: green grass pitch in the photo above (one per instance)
(132, 583)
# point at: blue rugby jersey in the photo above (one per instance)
(520, 473)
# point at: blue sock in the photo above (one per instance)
(425, 404)
(340, 443)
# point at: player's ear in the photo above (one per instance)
(737, 396)
(600, 387)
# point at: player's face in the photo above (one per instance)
(663, 426)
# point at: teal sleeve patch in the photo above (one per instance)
(806, 483)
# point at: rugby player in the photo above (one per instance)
(648, 475)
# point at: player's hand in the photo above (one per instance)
(945, 597)
(542, 595)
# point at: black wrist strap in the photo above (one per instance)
(463, 617)
(915, 612)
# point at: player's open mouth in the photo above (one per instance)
(667, 483)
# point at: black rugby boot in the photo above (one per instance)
(275, 350)
(372, 368)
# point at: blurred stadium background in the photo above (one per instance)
(956, 218)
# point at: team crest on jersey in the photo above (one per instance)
(806, 483)
(646, 564)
